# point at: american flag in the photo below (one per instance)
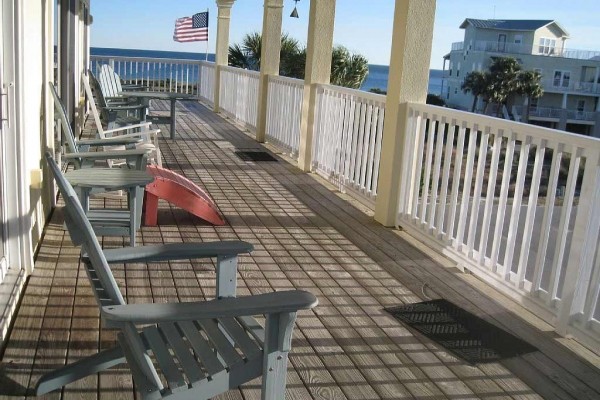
(192, 29)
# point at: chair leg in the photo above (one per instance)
(278, 337)
(70, 373)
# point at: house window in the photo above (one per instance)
(562, 78)
(538, 70)
(518, 39)
(458, 70)
(547, 46)
(580, 106)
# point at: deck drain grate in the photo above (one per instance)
(460, 332)
(255, 156)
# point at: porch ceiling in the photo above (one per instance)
(306, 237)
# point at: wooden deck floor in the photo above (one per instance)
(307, 236)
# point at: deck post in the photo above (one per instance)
(269, 60)
(412, 38)
(222, 45)
(318, 70)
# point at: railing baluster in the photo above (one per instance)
(531, 211)
(437, 165)
(481, 163)
(490, 196)
(441, 212)
(458, 159)
(563, 226)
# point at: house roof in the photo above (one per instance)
(512, 24)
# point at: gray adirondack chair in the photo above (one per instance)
(105, 222)
(193, 350)
(141, 130)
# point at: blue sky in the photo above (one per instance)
(362, 26)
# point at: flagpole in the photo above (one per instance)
(207, 25)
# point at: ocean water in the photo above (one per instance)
(377, 78)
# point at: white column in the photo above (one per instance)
(222, 46)
(564, 101)
(408, 77)
(269, 60)
(318, 70)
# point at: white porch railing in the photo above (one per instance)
(207, 82)
(283, 114)
(516, 204)
(347, 141)
(159, 74)
(238, 95)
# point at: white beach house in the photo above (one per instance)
(570, 78)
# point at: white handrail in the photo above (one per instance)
(238, 95)
(159, 74)
(284, 107)
(516, 204)
(347, 141)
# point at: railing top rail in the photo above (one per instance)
(240, 71)
(287, 80)
(552, 135)
(149, 59)
(378, 98)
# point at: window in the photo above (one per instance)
(538, 70)
(458, 69)
(562, 78)
(580, 106)
(518, 39)
(547, 46)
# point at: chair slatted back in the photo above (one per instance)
(90, 96)
(59, 109)
(110, 81)
(93, 81)
(101, 278)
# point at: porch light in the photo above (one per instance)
(294, 13)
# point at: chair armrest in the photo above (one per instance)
(108, 141)
(262, 304)
(124, 107)
(124, 128)
(107, 155)
(176, 251)
(132, 86)
(146, 134)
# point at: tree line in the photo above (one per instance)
(347, 69)
(503, 80)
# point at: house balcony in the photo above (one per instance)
(514, 205)
(518, 48)
(554, 114)
(583, 88)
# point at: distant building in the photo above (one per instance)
(571, 78)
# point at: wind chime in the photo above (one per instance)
(294, 13)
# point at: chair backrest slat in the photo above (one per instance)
(59, 108)
(88, 91)
(110, 80)
(82, 233)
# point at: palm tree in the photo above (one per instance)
(347, 69)
(503, 72)
(476, 83)
(247, 54)
(529, 85)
